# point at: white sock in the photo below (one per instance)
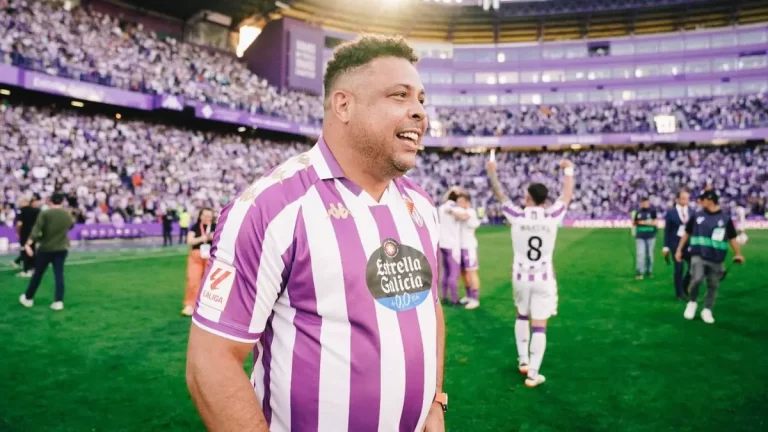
(522, 335)
(538, 346)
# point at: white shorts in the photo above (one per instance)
(536, 299)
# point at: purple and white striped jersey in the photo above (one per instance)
(339, 293)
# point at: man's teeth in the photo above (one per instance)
(413, 136)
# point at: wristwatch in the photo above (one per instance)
(442, 399)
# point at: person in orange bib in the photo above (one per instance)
(199, 239)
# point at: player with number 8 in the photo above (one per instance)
(534, 231)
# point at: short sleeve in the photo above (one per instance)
(245, 274)
(557, 210)
(511, 211)
(689, 225)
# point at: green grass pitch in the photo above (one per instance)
(620, 356)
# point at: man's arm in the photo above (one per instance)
(493, 178)
(567, 195)
(37, 229)
(458, 213)
(440, 347)
(668, 231)
(730, 232)
(684, 239)
(219, 387)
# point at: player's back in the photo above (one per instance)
(534, 233)
(450, 228)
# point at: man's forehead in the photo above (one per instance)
(389, 71)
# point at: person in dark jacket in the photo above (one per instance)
(674, 229)
(645, 238)
(51, 234)
(24, 223)
(710, 232)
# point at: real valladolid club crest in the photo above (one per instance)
(412, 210)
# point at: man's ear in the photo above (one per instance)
(341, 102)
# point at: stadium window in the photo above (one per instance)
(576, 97)
(671, 45)
(463, 78)
(507, 56)
(723, 40)
(440, 99)
(724, 65)
(529, 77)
(484, 56)
(464, 56)
(575, 75)
(553, 53)
(649, 47)
(697, 66)
(510, 99)
(486, 100)
(530, 98)
(576, 52)
(646, 71)
(625, 72)
(554, 98)
(529, 54)
(624, 95)
(697, 43)
(754, 87)
(463, 100)
(424, 77)
(552, 76)
(670, 92)
(649, 93)
(725, 89)
(752, 62)
(671, 69)
(508, 77)
(625, 48)
(442, 78)
(600, 96)
(485, 78)
(501, 57)
(753, 37)
(701, 90)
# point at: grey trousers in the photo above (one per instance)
(645, 249)
(701, 269)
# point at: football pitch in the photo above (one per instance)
(620, 356)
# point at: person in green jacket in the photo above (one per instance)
(51, 233)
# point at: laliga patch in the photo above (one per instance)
(217, 286)
(399, 277)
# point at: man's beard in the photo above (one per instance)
(374, 155)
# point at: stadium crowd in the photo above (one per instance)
(133, 171)
(94, 47)
(737, 112)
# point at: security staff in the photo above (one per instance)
(710, 232)
(645, 238)
(674, 229)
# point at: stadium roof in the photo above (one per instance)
(525, 21)
(237, 9)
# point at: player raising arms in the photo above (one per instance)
(534, 230)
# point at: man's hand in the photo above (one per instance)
(739, 259)
(28, 250)
(665, 252)
(491, 166)
(679, 256)
(435, 419)
(565, 163)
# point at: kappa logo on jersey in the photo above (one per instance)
(399, 277)
(217, 286)
(699, 220)
(338, 211)
(412, 210)
(720, 223)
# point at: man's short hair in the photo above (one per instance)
(57, 198)
(680, 192)
(538, 193)
(464, 195)
(361, 51)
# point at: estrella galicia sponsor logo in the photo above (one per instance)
(399, 277)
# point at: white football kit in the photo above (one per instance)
(468, 241)
(534, 231)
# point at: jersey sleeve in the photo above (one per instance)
(245, 273)
(557, 210)
(511, 211)
(473, 221)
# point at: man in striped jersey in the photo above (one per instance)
(534, 231)
(326, 269)
(468, 240)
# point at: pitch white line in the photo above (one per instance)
(107, 260)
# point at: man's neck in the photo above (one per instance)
(355, 168)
